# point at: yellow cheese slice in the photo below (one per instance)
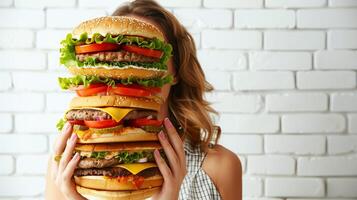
(135, 168)
(116, 113)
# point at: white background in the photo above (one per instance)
(284, 73)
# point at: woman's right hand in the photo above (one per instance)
(63, 169)
(173, 175)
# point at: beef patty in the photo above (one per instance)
(115, 172)
(91, 114)
(116, 56)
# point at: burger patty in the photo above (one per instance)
(115, 172)
(87, 163)
(90, 114)
(116, 56)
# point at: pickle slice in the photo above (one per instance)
(107, 130)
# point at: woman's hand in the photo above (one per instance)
(173, 175)
(63, 169)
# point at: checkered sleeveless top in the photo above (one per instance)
(197, 185)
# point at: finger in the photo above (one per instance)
(68, 172)
(169, 151)
(67, 154)
(175, 139)
(62, 138)
(164, 169)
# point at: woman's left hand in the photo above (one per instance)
(173, 175)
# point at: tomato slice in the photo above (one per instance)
(143, 51)
(92, 89)
(153, 90)
(129, 91)
(88, 48)
(76, 122)
(101, 124)
(145, 122)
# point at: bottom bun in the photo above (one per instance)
(107, 183)
(92, 194)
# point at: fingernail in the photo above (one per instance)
(162, 135)
(157, 153)
(168, 122)
(76, 156)
(68, 125)
(73, 137)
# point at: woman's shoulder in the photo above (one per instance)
(225, 169)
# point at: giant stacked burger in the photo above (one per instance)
(118, 66)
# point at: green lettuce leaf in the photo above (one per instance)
(68, 56)
(66, 83)
(60, 124)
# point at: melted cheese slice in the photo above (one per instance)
(116, 113)
(135, 168)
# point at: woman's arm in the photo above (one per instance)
(225, 170)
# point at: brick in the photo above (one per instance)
(327, 18)
(6, 123)
(20, 143)
(44, 3)
(280, 60)
(6, 3)
(25, 164)
(341, 144)
(252, 186)
(29, 122)
(7, 165)
(231, 39)
(99, 4)
(271, 165)
(205, 18)
(263, 80)
(342, 187)
(237, 103)
(344, 102)
(294, 187)
(295, 144)
(294, 3)
(234, 123)
(220, 80)
(19, 18)
(50, 39)
(21, 186)
(5, 81)
(242, 144)
(327, 166)
(222, 59)
(58, 102)
(326, 80)
(294, 40)
(34, 60)
(352, 123)
(69, 18)
(233, 3)
(35, 81)
(296, 102)
(179, 4)
(342, 39)
(343, 3)
(13, 102)
(11, 38)
(264, 19)
(313, 123)
(335, 59)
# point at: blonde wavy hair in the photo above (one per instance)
(187, 105)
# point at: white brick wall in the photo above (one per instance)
(285, 79)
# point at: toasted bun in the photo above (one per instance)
(118, 25)
(133, 146)
(107, 183)
(115, 101)
(127, 134)
(118, 73)
(92, 194)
